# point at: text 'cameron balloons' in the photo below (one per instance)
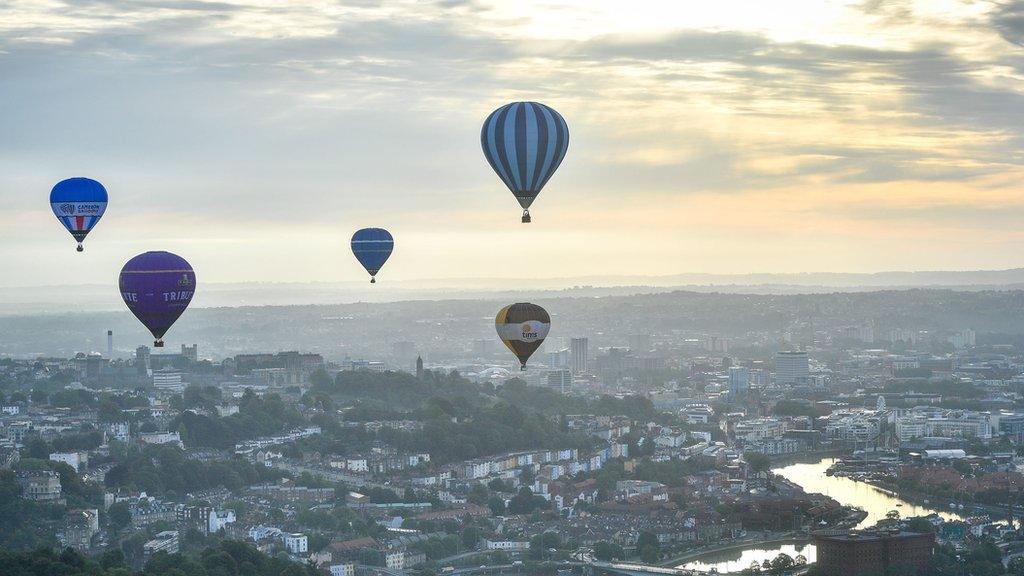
(78, 203)
(523, 328)
(157, 287)
(372, 247)
(524, 143)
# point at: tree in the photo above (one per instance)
(120, 515)
(470, 536)
(650, 548)
(649, 554)
(608, 551)
(781, 563)
(758, 463)
(919, 524)
(478, 494)
(497, 505)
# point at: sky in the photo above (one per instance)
(253, 137)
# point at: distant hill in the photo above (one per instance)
(96, 297)
(445, 330)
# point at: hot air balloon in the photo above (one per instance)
(78, 203)
(157, 287)
(372, 247)
(523, 328)
(525, 142)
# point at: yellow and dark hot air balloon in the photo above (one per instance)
(523, 328)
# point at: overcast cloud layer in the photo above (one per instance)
(254, 137)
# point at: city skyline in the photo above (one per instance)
(726, 139)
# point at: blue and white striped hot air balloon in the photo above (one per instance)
(372, 247)
(78, 203)
(525, 142)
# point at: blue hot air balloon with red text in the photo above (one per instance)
(372, 247)
(157, 287)
(78, 203)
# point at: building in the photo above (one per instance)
(110, 344)
(560, 380)
(296, 544)
(346, 569)
(161, 438)
(963, 339)
(77, 460)
(791, 368)
(79, 528)
(190, 353)
(40, 486)
(507, 545)
(394, 559)
(167, 379)
(872, 552)
(142, 359)
(559, 359)
(578, 355)
(219, 519)
(739, 382)
(166, 541)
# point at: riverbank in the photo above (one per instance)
(741, 544)
(782, 460)
(922, 499)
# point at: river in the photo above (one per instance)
(812, 478)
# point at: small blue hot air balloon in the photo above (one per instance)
(372, 247)
(78, 203)
(525, 142)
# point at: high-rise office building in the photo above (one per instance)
(739, 382)
(791, 367)
(578, 355)
(560, 380)
(110, 344)
(558, 358)
(168, 379)
(142, 359)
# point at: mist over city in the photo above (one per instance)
(496, 288)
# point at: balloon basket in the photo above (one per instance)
(158, 343)
(373, 280)
(80, 248)
(526, 216)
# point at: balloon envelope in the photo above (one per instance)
(525, 142)
(523, 328)
(78, 203)
(157, 287)
(372, 247)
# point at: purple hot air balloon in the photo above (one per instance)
(157, 287)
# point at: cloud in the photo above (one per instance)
(1008, 18)
(230, 117)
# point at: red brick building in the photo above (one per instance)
(871, 551)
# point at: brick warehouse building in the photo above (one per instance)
(871, 551)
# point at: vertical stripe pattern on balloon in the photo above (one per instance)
(525, 142)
